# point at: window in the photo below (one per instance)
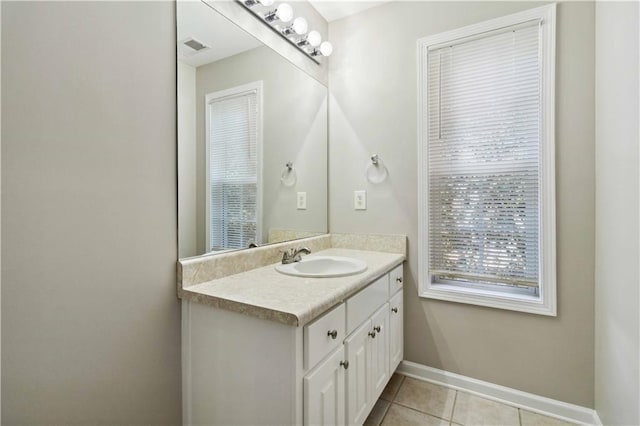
(487, 187)
(233, 152)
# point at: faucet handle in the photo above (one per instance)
(288, 255)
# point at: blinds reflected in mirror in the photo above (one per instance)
(484, 142)
(233, 167)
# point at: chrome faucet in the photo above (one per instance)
(293, 255)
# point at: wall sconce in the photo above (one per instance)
(310, 44)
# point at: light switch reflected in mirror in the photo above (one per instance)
(243, 112)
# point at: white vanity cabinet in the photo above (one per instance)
(372, 349)
(367, 351)
(380, 351)
(396, 324)
(324, 401)
(358, 353)
(239, 369)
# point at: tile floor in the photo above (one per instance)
(407, 401)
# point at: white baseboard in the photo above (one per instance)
(514, 397)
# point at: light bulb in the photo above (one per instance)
(314, 38)
(300, 25)
(284, 12)
(266, 3)
(326, 48)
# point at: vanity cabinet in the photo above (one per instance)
(358, 354)
(379, 352)
(367, 351)
(396, 325)
(324, 401)
(240, 369)
(372, 350)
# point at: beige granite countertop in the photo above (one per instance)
(267, 294)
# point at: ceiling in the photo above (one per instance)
(333, 10)
(222, 37)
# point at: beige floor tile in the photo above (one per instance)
(534, 419)
(398, 415)
(426, 397)
(391, 390)
(472, 410)
(377, 413)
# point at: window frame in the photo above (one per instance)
(545, 302)
(256, 86)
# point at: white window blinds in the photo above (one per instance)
(484, 144)
(233, 170)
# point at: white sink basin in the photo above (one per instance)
(323, 267)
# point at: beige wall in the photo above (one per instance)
(90, 320)
(617, 349)
(294, 129)
(372, 80)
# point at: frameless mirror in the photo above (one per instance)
(252, 139)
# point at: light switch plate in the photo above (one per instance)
(302, 200)
(360, 200)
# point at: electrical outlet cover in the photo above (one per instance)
(302, 200)
(360, 200)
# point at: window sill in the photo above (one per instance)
(512, 301)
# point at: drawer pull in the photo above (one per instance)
(394, 310)
(372, 334)
(344, 364)
(399, 279)
(333, 334)
(377, 328)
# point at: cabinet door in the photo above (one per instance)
(358, 374)
(379, 351)
(324, 396)
(396, 331)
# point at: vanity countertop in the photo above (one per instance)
(267, 294)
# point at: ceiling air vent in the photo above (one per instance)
(195, 44)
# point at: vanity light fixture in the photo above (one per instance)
(251, 3)
(299, 26)
(313, 39)
(284, 13)
(311, 44)
(326, 49)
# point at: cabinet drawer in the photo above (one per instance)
(364, 304)
(395, 279)
(323, 335)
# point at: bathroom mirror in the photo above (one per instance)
(252, 139)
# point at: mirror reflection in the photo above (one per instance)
(252, 139)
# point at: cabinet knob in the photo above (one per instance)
(399, 279)
(377, 328)
(332, 333)
(394, 310)
(372, 334)
(344, 364)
